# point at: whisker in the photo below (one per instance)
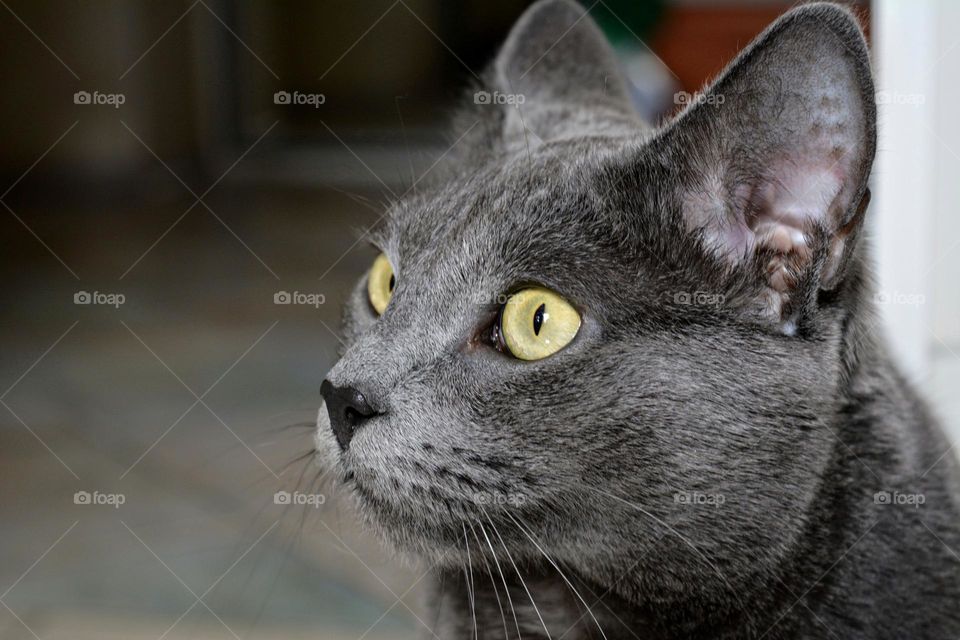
(471, 591)
(300, 458)
(523, 127)
(286, 553)
(503, 578)
(356, 198)
(522, 582)
(683, 538)
(555, 566)
(440, 600)
(403, 128)
(496, 591)
(307, 425)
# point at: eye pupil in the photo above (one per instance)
(538, 318)
(393, 281)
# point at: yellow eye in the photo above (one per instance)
(380, 283)
(537, 323)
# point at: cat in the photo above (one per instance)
(610, 380)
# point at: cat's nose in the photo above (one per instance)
(348, 411)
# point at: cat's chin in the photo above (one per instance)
(412, 531)
(409, 539)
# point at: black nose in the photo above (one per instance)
(348, 410)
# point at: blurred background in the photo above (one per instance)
(173, 172)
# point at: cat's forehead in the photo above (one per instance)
(531, 199)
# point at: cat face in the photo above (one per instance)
(711, 265)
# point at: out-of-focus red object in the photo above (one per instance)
(696, 42)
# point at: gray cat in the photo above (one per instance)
(616, 381)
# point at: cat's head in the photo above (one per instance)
(705, 271)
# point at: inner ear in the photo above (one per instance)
(777, 159)
(783, 212)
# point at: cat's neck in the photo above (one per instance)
(527, 602)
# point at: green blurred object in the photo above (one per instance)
(624, 21)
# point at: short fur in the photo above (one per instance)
(704, 459)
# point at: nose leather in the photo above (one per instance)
(348, 410)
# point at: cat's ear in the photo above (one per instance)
(776, 154)
(559, 77)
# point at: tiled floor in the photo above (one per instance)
(107, 403)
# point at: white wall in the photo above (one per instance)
(904, 178)
(945, 271)
(916, 215)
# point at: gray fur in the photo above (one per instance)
(791, 414)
